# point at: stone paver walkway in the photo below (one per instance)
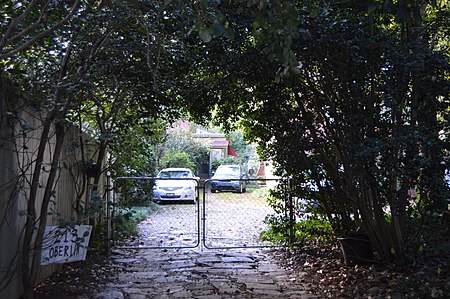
(207, 274)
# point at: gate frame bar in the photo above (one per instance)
(114, 204)
(287, 201)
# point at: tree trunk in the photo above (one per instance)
(31, 267)
(31, 221)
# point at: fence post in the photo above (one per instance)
(291, 213)
(108, 211)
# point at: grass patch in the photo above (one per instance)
(305, 231)
(262, 193)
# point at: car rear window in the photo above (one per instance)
(174, 174)
(228, 170)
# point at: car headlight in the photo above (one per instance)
(188, 188)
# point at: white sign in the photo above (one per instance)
(65, 244)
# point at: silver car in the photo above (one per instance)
(175, 184)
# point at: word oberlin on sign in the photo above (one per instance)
(65, 244)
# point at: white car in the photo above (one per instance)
(175, 184)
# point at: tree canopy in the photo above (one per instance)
(361, 119)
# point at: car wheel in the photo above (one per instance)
(240, 189)
(213, 190)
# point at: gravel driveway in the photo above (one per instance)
(222, 220)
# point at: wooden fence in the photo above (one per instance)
(19, 140)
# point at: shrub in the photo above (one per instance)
(178, 159)
(127, 219)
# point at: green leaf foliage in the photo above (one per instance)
(362, 120)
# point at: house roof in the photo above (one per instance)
(223, 143)
(216, 140)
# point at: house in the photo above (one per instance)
(219, 148)
(218, 144)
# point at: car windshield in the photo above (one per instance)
(174, 174)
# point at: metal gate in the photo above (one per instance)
(234, 213)
(220, 217)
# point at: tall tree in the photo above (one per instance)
(358, 118)
(52, 59)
